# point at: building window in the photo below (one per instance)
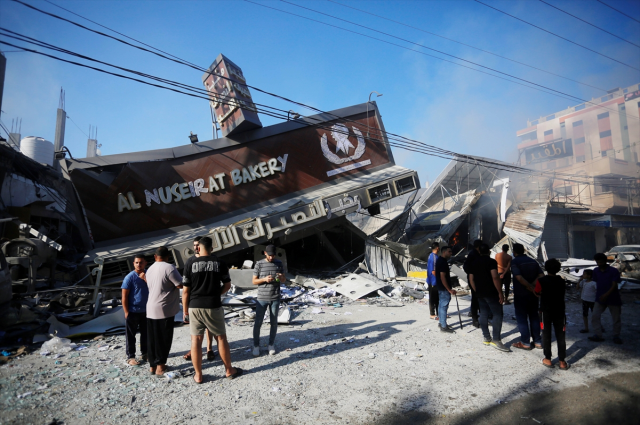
(602, 116)
(604, 153)
(548, 132)
(579, 140)
(577, 123)
(604, 134)
(622, 107)
(579, 107)
(528, 136)
(580, 158)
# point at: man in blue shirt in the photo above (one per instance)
(135, 294)
(607, 297)
(431, 280)
(526, 271)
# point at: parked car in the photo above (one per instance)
(626, 258)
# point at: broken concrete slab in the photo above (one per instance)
(355, 286)
(242, 278)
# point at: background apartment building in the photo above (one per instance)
(593, 151)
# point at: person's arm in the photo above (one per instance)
(497, 283)
(185, 300)
(472, 282)
(614, 286)
(225, 287)
(125, 302)
(175, 278)
(443, 278)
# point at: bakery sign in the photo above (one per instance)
(342, 154)
(549, 151)
(181, 191)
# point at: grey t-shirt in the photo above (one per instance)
(164, 296)
(262, 269)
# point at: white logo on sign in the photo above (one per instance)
(340, 134)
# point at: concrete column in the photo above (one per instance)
(61, 121)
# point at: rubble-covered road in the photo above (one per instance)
(355, 364)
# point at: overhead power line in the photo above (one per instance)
(469, 45)
(418, 147)
(619, 11)
(533, 85)
(396, 140)
(589, 23)
(556, 35)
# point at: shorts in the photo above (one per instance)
(207, 318)
(586, 306)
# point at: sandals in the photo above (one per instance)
(160, 371)
(566, 365)
(550, 365)
(521, 346)
(238, 373)
(133, 362)
(201, 382)
(153, 370)
(187, 356)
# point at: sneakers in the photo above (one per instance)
(476, 324)
(486, 341)
(272, 350)
(498, 345)
(256, 351)
(447, 330)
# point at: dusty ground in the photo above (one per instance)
(377, 365)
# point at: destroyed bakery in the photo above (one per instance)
(350, 226)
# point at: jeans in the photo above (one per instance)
(474, 303)
(558, 321)
(261, 308)
(596, 324)
(506, 282)
(526, 307)
(135, 322)
(433, 300)
(491, 305)
(443, 306)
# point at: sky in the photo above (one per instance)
(424, 98)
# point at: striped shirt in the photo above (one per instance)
(262, 269)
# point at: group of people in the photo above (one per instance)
(151, 300)
(538, 299)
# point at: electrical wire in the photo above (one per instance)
(413, 148)
(468, 45)
(619, 11)
(538, 87)
(588, 23)
(554, 34)
(74, 123)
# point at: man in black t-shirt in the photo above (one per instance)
(473, 255)
(205, 279)
(443, 283)
(486, 282)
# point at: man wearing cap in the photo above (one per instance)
(268, 274)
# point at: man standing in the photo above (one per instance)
(211, 355)
(526, 271)
(473, 255)
(607, 296)
(485, 281)
(504, 270)
(134, 303)
(164, 283)
(431, 280)
(443, 282)
(268, 274)
(205, 279)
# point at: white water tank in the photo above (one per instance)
(38, 149)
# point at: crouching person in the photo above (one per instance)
(205, 279)
(551, 289)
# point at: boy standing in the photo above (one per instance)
(588, 296)
(551, 290)
(431, 281)
(135, 294)
(268, 274)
